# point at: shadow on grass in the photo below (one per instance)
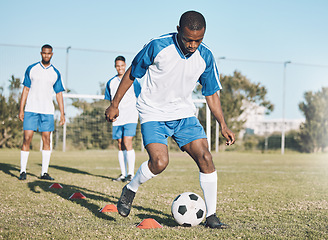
(77, 171)
(9, 168)
(68, 190)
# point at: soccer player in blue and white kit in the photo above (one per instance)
(124, 129)
(172, 65)
(41, 79)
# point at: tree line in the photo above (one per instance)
(89, 130)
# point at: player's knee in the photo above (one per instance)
(27, 139)
(159, 164)
(205, 162)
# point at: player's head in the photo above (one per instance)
(46, 54)
(120, 65)
(191, 30)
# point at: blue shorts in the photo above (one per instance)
(183, 131)
(127, 130)
(38, 121)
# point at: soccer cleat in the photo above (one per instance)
(22, 176)
(128, 178)
(120, 178)
(214, 222)
(46, 176)
(125, 202)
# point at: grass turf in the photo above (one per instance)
(261, 196)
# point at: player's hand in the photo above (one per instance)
(21, 115)
(111, 113)
(229, 135)
(62, 119)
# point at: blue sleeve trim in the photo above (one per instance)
(108, 95)
(210, 79)
(137, 88)
(58, 86)
(27, 77)
(146, 56)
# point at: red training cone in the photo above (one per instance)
(56, 185)
(149, 223)
(77, 195)
(109, 208)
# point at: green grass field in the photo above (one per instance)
(261, 196)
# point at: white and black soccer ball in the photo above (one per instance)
(188, 209)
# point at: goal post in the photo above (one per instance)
(100, 121)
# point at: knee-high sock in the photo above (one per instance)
(24, 158)
(131, 158)
(121, 160)
(143, 174)
(45, 161)
(208, 183)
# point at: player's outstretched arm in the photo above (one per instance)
(112, 112)
(214, 104)
(22, 103)
(60, 101)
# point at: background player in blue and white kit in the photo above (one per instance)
(124, 129)
(172, 65)
(41, 80)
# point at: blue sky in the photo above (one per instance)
(254, 36)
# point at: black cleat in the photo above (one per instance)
(22, 176)
(214, 222)
(128, 178)
(125, 202)
(120, 178)
(46, 176)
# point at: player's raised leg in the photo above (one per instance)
(198, 150)
(158, 161)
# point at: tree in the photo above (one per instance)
(236, 90)
(313, 133)
(11, 134)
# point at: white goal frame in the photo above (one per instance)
(100, 97)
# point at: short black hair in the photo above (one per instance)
(192, 20)
(46, 46)
(119, 58)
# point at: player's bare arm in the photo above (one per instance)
(60, 101)
(23, 102)
(214, 104)
(126, 82)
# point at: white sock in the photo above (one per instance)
(121, 162)
(208, 183)
(45, 161)
(143, 174)
(24, 158)
(131, 158)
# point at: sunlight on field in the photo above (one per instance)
(260, 196)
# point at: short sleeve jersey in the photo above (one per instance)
(170, 77)
(42, 82)
(128, 112)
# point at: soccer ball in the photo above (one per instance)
(188, 209)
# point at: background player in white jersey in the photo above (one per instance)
(41, 80)
(172, 65)
(124, 129)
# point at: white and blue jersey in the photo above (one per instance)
(128, 112)
(42, 82)
(170, 78)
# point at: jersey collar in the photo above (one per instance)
(44, 66)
